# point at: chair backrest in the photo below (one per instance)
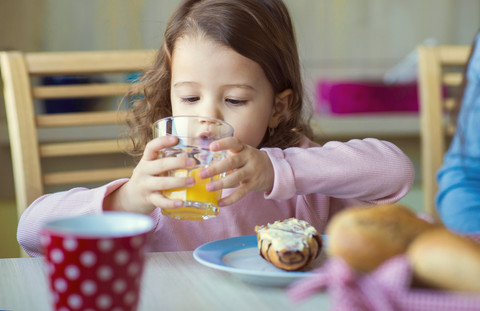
(66, 105)
(440, 79)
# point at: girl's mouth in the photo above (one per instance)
(207, 135)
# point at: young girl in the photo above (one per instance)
(234, 60)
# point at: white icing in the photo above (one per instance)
(289, 234)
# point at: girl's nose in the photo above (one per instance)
(212, 110)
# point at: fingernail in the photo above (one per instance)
(221, 203)
(190, 181)
(203, 173)
(191, 162)
(213, 146)
(178, 203)
(210, 187)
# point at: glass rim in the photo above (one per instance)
(223, 123)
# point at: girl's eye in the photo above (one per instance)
(235, 102)
(191, 99)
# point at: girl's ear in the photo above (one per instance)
(280, 107)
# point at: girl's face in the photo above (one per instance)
(213, 80)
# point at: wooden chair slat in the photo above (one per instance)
(453, 55)
(80, 118)
(89, 62)
(452, 79)
(450, 104)
(84, 148)
(80, 91)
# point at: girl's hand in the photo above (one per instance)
(248, 169)
(142, 193)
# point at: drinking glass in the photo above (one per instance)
(194, 137)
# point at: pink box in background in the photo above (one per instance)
(344, 96)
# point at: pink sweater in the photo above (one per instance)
(311, 183)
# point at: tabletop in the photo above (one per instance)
(171, 281)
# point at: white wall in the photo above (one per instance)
(336, 38)
(365, 38)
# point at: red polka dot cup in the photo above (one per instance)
(95, 262)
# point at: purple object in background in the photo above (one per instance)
(343, 97)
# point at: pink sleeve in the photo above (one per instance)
(369, 170)
(77, 201)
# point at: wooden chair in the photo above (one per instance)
(440, 79)
(54, 151)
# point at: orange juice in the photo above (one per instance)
(198, 202)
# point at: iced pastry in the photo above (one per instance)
(290, 244)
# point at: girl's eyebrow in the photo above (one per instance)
(242, 86)
(182, 83)
(239, 85)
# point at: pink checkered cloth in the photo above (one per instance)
(385, 289)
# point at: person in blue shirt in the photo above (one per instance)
(458, 199)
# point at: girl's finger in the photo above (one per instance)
(163, 165)
(229, 181)
(228, 164)
(160, 201)
(231, 144)
(155, 145)
(168, 182)
(235, 196)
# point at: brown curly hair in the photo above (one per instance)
(260, 30)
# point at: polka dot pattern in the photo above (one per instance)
(94, 274)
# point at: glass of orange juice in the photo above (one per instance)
(194, 137)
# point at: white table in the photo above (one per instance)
(171, 281)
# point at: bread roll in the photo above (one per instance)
(290, 244)
(443, 259)
(367, 236)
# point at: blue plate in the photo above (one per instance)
(239, 256)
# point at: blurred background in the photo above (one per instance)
(353, 41)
